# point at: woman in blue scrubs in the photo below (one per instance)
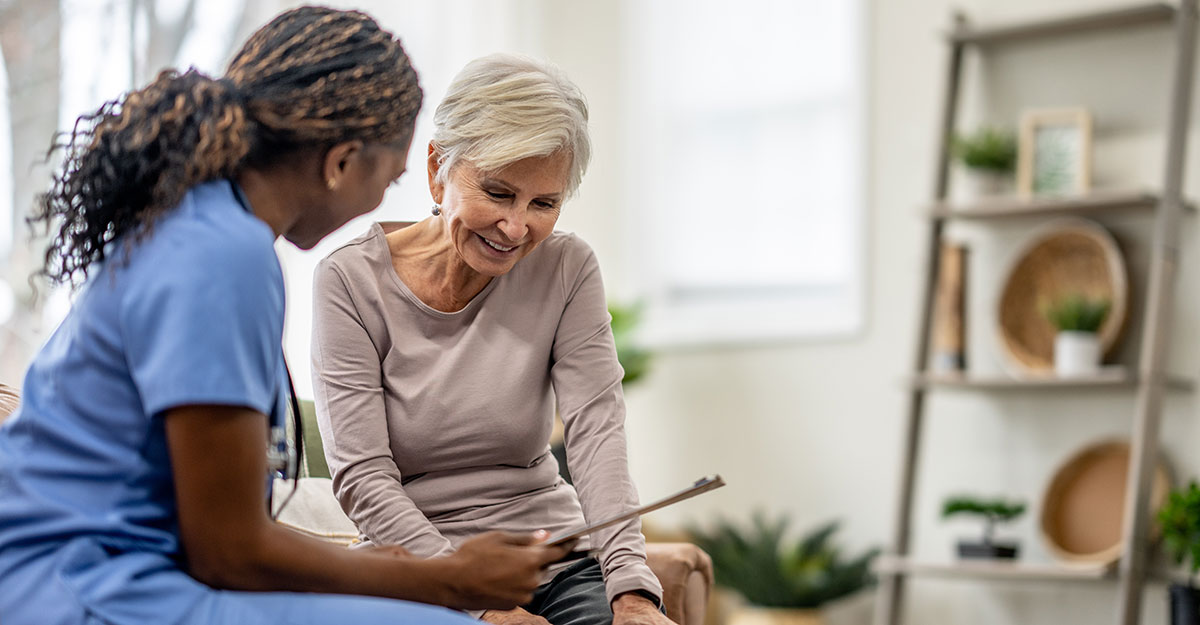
(133, 476)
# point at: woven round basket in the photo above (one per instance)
(1083, 508)
(1067, 257)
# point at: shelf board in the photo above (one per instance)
(1108, 377)
(1012, 206)
(1104, 19)
(994, 570)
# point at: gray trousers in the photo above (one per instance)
(574, 597)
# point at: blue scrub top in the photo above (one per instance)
(88, 524)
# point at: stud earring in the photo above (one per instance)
(331, 183)
(437, 210)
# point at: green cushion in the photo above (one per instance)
(314, 450)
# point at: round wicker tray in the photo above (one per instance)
(1083, 508)
(1070, 256)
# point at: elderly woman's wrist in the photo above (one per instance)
(635, 596)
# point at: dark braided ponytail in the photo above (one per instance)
(309, 79)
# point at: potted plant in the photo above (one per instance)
(1180, 521)
(989, 156)
(1077, 345)
(634, 360)
(783, 582)
(993, 512)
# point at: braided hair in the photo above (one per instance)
(311, 78)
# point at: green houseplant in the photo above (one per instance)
(990, 156)
(1078, 320)
(993, 512)
(790, 578)
(634, 360)
(987, 149)
(1180, 521)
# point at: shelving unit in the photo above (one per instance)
(1109, 377)
(1006, 207)
(1149, 381)
(1009, 571)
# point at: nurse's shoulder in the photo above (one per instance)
(209, 235)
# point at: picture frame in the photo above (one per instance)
(1054, 152)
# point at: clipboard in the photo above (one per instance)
(702, 485)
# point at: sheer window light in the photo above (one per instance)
(748, 154)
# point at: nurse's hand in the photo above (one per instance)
(498, 569)
(516, 616)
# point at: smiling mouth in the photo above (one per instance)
(494, 245)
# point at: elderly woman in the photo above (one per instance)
(440, 348)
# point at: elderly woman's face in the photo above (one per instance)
(497, 218)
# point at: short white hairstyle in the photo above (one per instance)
(503, 108)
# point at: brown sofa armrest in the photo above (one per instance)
(686, 575)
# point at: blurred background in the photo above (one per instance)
(761, 170)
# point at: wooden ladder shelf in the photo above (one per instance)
(1150, 380)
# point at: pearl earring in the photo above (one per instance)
(331, 183)
(437, 210)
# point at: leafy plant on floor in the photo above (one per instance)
(769, 571)
(988, 149)
(993, 512)
(1180, 521)
(1077, 313)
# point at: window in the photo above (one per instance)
(747, 152)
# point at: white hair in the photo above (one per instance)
(503, 108)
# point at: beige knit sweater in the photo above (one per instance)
(436, 425)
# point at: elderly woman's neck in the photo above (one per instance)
(426, 261)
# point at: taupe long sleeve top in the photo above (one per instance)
(436, 425)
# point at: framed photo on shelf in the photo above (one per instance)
(1054, 155)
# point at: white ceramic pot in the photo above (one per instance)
(1076, 354)
(983, 183)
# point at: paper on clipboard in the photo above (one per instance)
(702, 485)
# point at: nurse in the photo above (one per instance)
(133, 476)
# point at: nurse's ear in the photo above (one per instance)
(338, 160)
(433, 165)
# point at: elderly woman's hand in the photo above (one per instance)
(515, 616)
(633, 609)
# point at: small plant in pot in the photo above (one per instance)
(993, 512)
(989, 156)
(1077, 318)
(1180, 521)
(784, 582)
